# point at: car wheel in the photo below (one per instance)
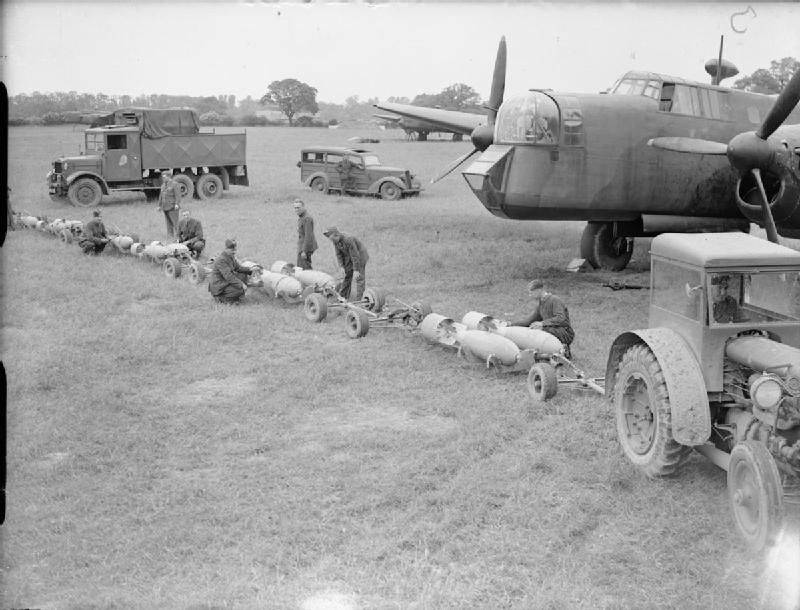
(390, 191)
(318, 184)
(643, 415)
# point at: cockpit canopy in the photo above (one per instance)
(632, 85)
(532, 118)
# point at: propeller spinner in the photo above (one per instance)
(748, 151)
(483, 135)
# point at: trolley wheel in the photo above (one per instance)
(316, 307)
(197, 273)
(375, 298)
(421, 309)
(356, 324)
(542, 381)
(172, 267)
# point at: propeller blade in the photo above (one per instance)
(785, 103)
(454, 165)
(689, 145)
(769, 222)
(498, 81)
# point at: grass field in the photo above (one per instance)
(165, 451)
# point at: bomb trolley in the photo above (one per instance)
(359, 320)
(322, 300)
(546, 375)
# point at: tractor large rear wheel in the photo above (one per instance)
(643, 414)
(756, 494)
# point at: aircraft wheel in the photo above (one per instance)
(172, 267)
(318, 184)
(587, 243)
(611, 253)
(315, 307)
(542, 382)
(756, 494)
(356, 324)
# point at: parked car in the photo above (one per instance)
(354, 171)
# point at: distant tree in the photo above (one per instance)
(291, 96)
(351, 101)
(458, 95)
(397, 100)
(771, 80)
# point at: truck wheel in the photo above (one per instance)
(84, 193)
(644, 419)
(356, 324)
(375, 298)
(172, 267)
(756, 494)
(197, 273)
(316, 307)
(390, 191)
(318, 184)
(209, 186)
(542, 382)
(187, 185)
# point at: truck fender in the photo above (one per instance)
(375, 187)
(688, 399)
(73, 177)
(322, 175)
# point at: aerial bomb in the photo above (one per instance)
(437, 328)
(281, 285)
(488, 346)
(307, 277)
(122, 243)
(524, 338)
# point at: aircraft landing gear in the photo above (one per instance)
(603, 249)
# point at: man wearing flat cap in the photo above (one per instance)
(352, 257)
(228, 280)
(94, 237)
(549, 315)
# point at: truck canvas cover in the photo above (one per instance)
(155, 122)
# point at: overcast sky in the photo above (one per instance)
(224, 47)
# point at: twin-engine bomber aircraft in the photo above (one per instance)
(619, 160)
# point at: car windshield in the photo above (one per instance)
(371, 160)
(95, 142)
(745, 298)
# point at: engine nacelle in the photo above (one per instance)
(783, 192)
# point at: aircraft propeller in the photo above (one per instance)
(483, 135)
(748, 151)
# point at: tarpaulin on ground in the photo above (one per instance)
(155, 122)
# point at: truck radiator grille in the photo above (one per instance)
(58, 167)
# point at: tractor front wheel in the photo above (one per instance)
(756, 494)
(644, 418)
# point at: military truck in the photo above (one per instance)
(718, 370)
(128, 149)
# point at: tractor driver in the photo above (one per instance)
(550, 315)
(725, 307)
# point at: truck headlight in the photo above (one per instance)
(766, 392)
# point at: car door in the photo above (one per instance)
(121, 160)
(331, 161)
(358, 173)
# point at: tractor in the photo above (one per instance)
(717, 370)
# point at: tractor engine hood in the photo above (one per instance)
(765, 355)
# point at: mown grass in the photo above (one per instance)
(165, 451)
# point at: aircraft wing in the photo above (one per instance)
(459, 122)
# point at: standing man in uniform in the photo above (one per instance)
(550, 315)
(94, 237)
(345, 170)
(228, 280)
(169, 201)
(352, 257)
(306, 242)
(190, 233)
